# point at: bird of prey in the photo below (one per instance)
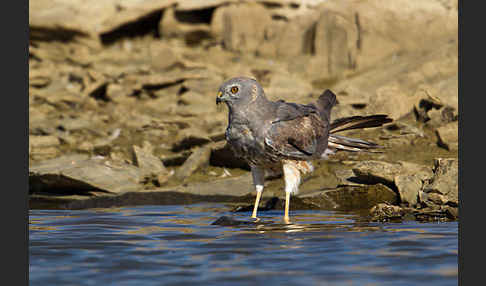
(285, 137)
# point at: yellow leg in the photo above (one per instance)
(287, 203)
(257, 202)
(258, 180)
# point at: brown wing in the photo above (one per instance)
(287, 111)
(301, 138)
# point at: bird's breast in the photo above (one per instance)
(241, 135)
(244, 142)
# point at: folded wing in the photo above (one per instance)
(298, 132)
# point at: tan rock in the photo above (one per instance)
(448, 136)
(188, 5)
(146, 161)
(193, 33)
(162, 56)
(199, 158)
(78, 173)
(352, 197)
(394, 85)
(445, 181)
(335, 43)
(49, 19)
(392, 100)
(297, 37)
(378, 28)
(384, 172)
(36, 141)
(384, 211)
(408, 188)
(242, 27)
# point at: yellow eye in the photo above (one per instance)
(234, 89)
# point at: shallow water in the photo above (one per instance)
(177, 245)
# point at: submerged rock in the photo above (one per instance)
(386, 212)
(229, 221)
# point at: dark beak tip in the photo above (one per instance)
(218, 98)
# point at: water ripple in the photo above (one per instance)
(176, 245)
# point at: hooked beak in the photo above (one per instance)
(219, 98)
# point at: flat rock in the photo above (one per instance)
(73, 174)
(160, 80)
(43, 141)
(233, 189)
(233, 186)
(352, 197)
(384, 172)
(50, 19)
(187, 5)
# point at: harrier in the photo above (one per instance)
(285, 137)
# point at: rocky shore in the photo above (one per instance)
(122, 101)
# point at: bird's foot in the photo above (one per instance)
(286, 220)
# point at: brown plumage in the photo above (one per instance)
(285, 136)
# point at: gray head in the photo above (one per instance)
(240, 91)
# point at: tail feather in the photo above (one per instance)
(358, 122)
(353, 142)
(324, 104)
(336, 143)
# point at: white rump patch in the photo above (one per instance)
(327, 152)
(292, 178)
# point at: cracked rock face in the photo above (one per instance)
(443, 188)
